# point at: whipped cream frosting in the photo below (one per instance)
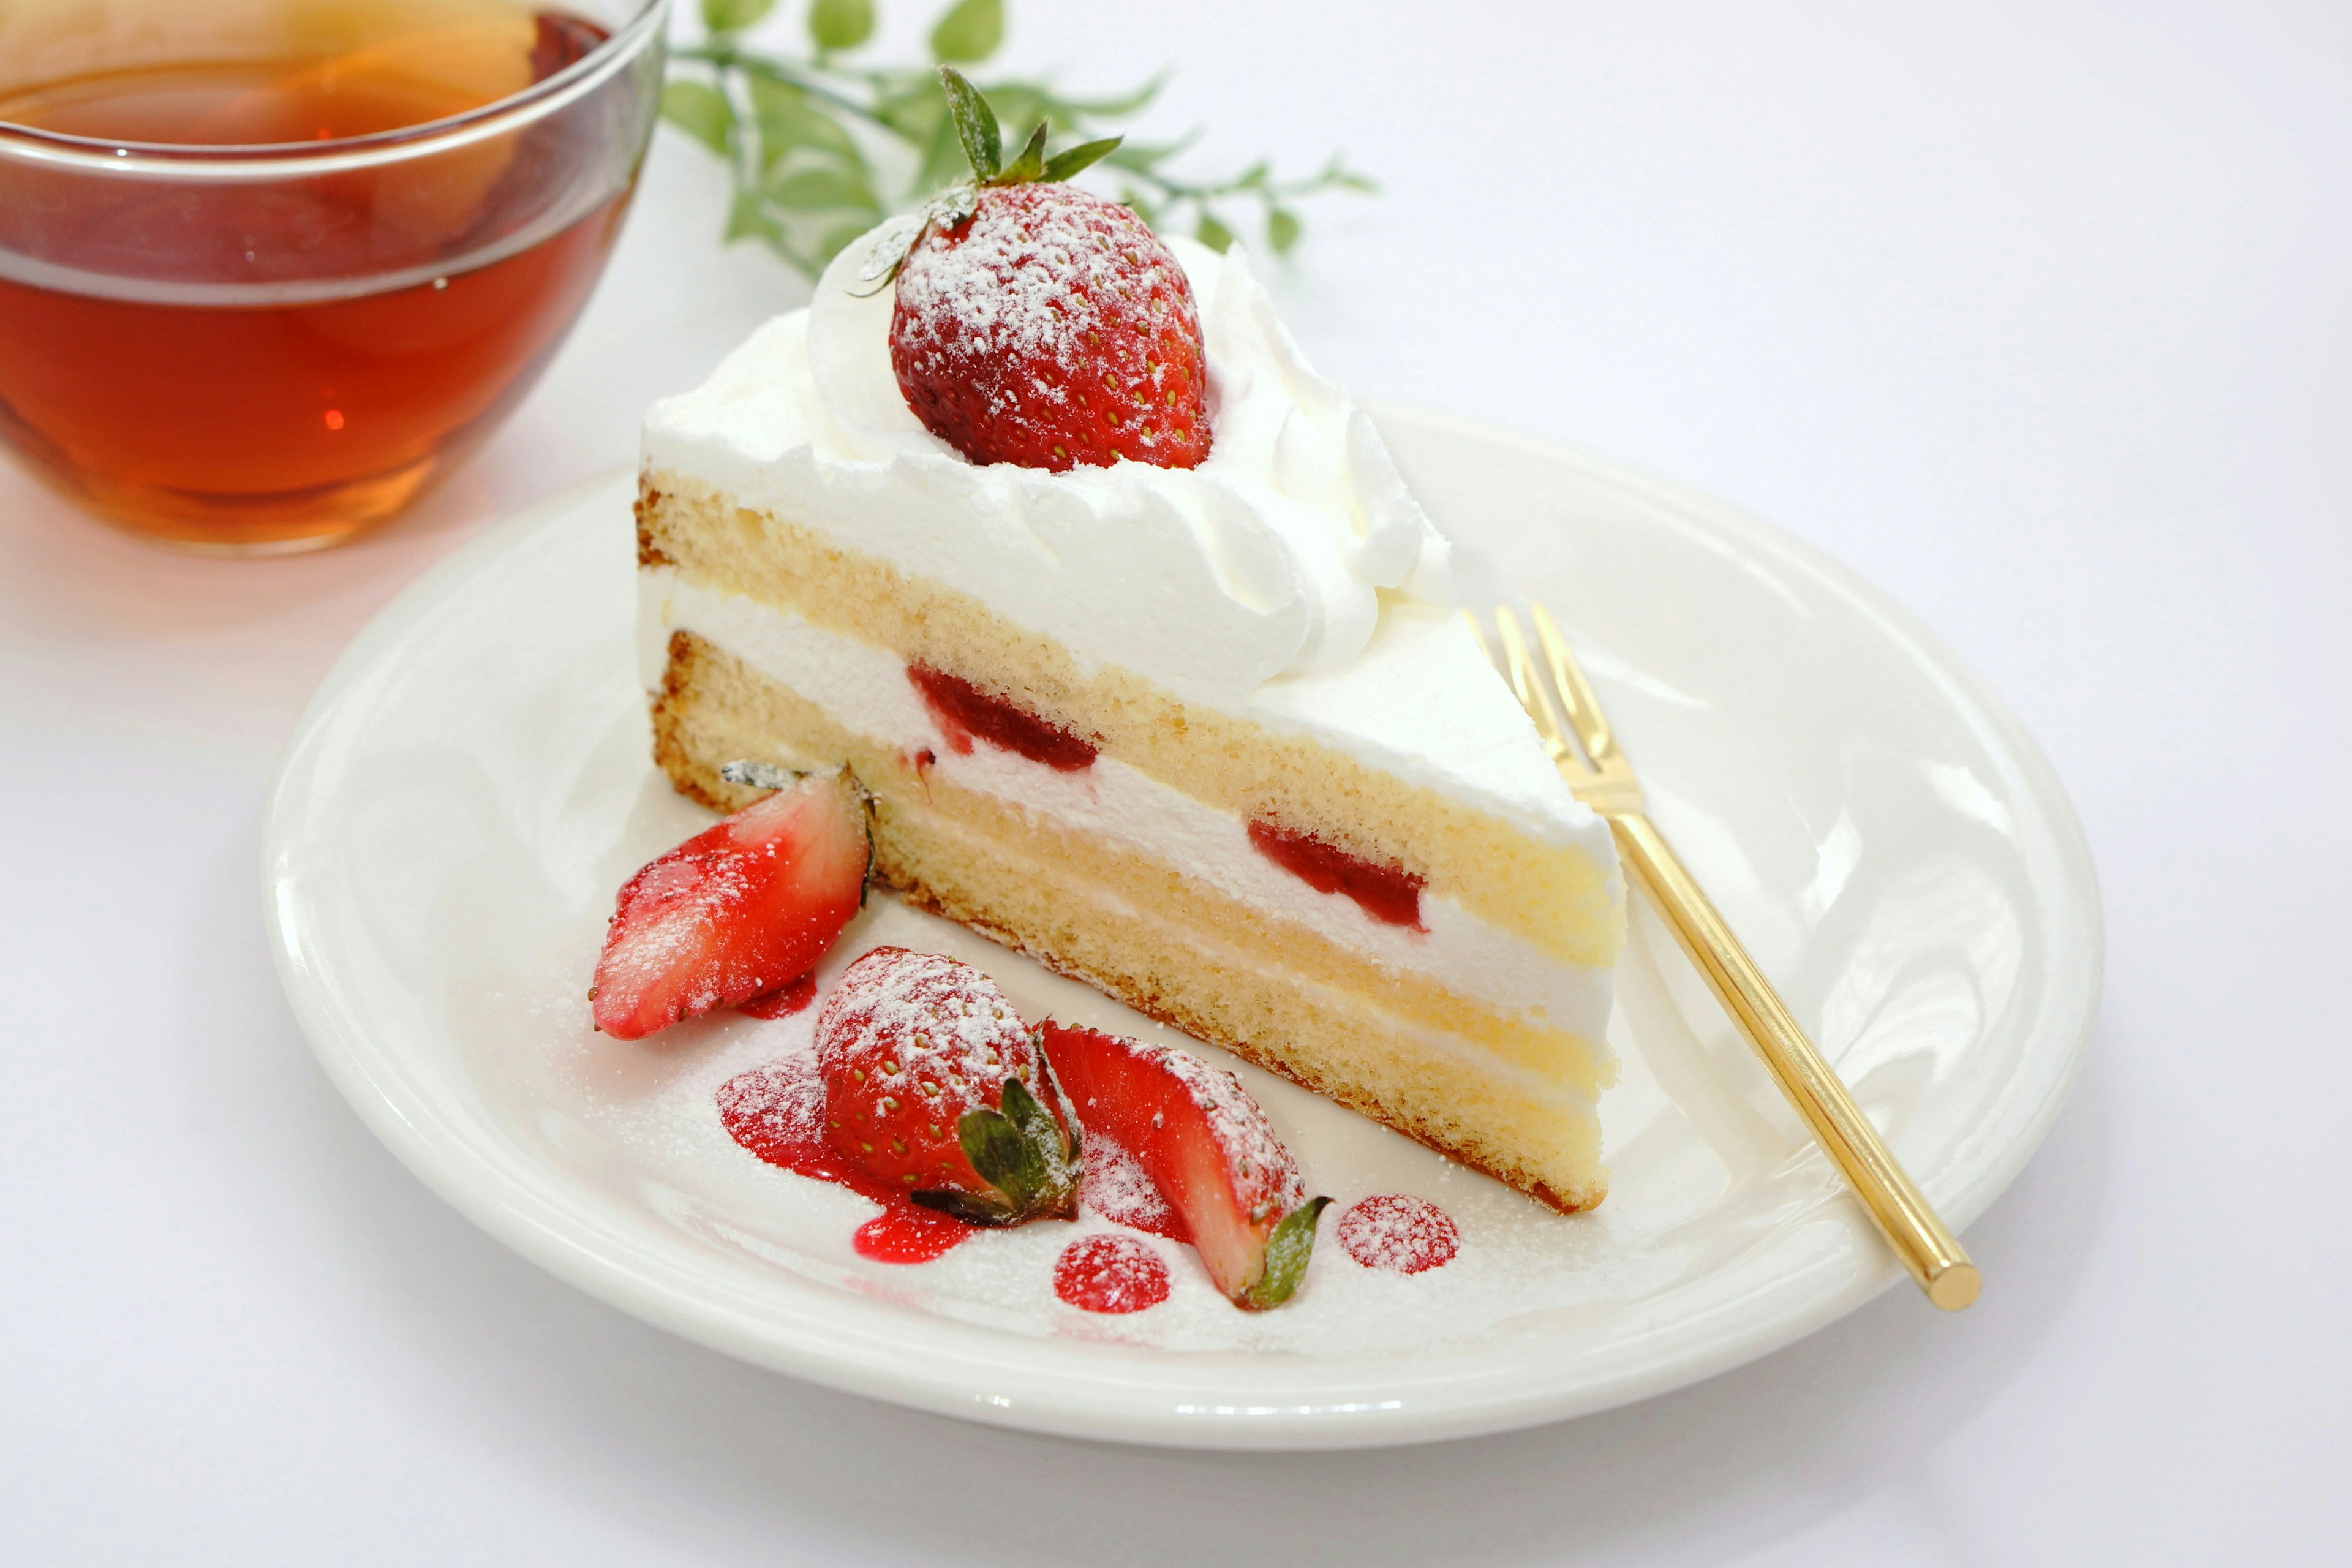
(1269, 558)
(1291, 576)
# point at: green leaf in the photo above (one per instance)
(1084, 155)
(1023, 1152)
(1144, 156)
(700, 110)
(943, 161)
(820, 189)
(748, 219)
(970, 31)
(1286, 1253)
(1142, 206)
(1030, 163)
(993, 1146)
(975, 124)
(790, 117)
(1281, 229)
(1017, 103)
(1253, 176)
(915, 112)
(733, 15)
(840, 24)
(1212, 233)
(1111, 108)
(1050, 1167)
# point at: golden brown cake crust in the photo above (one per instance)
(713, 708)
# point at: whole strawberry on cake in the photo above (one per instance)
(1144, 656)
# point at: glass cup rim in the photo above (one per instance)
(280, 160)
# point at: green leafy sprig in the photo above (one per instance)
(821, 145)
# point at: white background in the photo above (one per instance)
(2039, 315)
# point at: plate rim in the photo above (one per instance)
(528, 1216)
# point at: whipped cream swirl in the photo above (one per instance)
(1270, 558)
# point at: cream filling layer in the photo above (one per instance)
(865, 689)
(1542, 1088)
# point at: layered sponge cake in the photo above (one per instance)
(1214, 739)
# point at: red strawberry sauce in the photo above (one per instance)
(783, 1001)
(1389, 894)
(777, 1112)
(966, 712)
(1107, 1272)
(1401, 1234)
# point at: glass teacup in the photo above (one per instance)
(267, 267)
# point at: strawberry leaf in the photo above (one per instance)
(1071, 160)
(975, 124)
(995, 1147)
(1286, 1252)
(1023, 1152)
(1050, 1163)
(1031, 162)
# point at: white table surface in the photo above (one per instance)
(2039, 315)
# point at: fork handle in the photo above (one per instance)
(1932, 1254)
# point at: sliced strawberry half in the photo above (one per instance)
(737, 911)
(1206, 1146)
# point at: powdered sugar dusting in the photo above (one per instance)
(1400, 1233)
(1110, 1273)
(1118, 1189)
(1051, 327)
(777, 1106)
(943, 1022)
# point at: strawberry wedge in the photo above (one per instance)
(1206, 1146)
(736, 911)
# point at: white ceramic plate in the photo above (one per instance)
(472, 783)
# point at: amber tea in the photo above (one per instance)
(337, 241)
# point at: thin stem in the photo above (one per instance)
(847, 92)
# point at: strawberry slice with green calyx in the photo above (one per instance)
(1206, 1146)
(737, 911)
(1031, 1160)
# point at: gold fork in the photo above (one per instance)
(1602, 779)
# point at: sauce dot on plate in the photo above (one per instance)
(1400, 1233)
(1110, 1273)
